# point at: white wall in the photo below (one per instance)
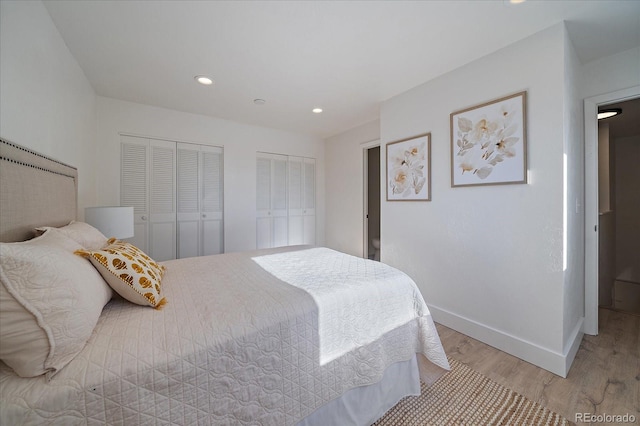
(611, 73)
(489, 260)
(573, 209)
(240, 142)
(504, 264)
(345, 183)
(46, 102)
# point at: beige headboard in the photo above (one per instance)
(34, 191)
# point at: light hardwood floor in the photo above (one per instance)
(604, 377)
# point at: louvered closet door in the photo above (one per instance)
(200, 200)
(188, 208)
(302, 201)
(309, 209)
(271, 201)
(212, 196)
(134, 185)
(162, 200)
(264, 232)
(296, 200)
(279, 201)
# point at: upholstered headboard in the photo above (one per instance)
(34, 191)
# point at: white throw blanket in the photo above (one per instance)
(337, 282)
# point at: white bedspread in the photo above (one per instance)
(337, 282)
(233, 345)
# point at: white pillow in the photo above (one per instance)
(51, 300)
(82, 233)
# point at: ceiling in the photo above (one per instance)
(343, 56)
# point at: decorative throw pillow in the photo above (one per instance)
(129, 271)
(82, 233)
(50, 303)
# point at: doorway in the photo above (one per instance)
(619, 207)
(600, 209)
(371, 243)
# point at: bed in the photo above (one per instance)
(295, 335)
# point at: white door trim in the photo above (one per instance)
(591, 200)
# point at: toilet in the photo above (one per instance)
(375, 242)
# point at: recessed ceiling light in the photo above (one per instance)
(317, 110)
(516, 1)
(203, 79)
(259, 101)
(606, 113)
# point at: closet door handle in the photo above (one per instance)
(143, 218)
(204, 216)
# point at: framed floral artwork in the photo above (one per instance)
(409, 169)
(489, 143)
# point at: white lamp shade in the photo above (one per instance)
(111, 221)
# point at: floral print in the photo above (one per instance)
(407, 162)
(487, 137)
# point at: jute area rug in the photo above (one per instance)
(465, 397)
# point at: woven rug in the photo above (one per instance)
(465, 397)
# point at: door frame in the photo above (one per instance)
(591, 238)
(366, 146)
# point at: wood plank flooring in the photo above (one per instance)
(604, 377)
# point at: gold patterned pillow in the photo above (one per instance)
(129, 271)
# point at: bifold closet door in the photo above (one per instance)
(148, 175)
(176, 190)
(200, 229)
(162, 200)
(134, 187)
(296, 200)
(302, 222)
(188, 208)
(271, 201)
(309, 211)
(212, 210)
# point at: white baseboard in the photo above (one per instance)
(573, 344)
(555, 362)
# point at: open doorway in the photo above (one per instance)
(619, 207)
(371, 241)
(611, 208)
